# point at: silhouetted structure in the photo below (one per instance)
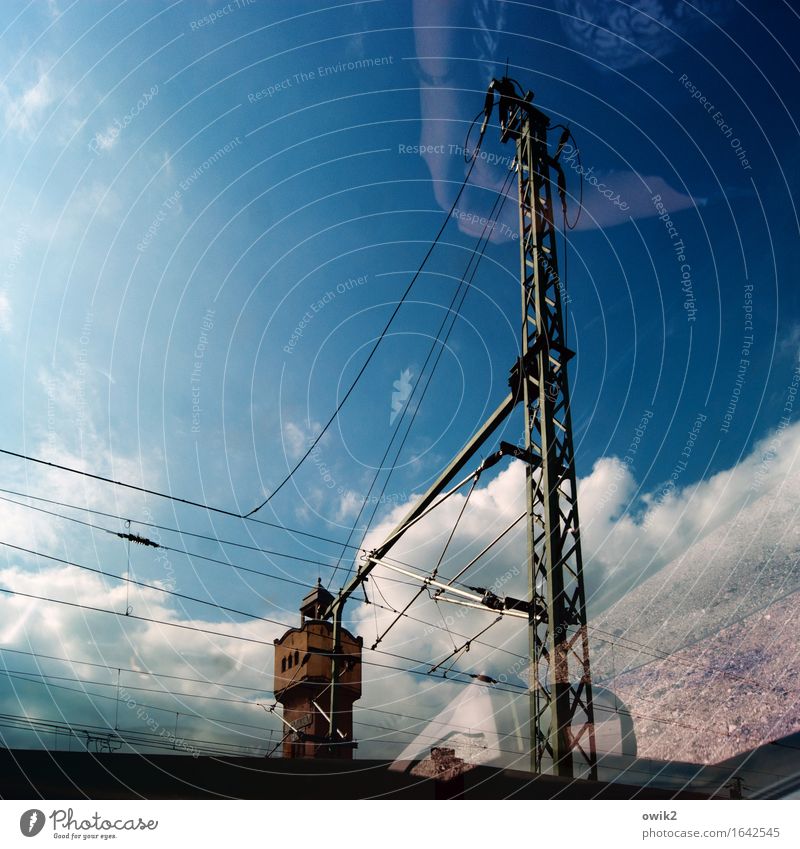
(303, 674)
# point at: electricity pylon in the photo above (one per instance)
(562, 714)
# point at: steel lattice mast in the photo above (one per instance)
(562, 714)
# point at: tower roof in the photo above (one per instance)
(315, 603)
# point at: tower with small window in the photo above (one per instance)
(302, 683)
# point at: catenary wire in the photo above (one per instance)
(226, 721)
(501, 197)
(374, 348)
(222, 511)
(186, 552)
(411, 618)
(142, 584)
(475, 255)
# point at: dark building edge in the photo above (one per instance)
(37, 774)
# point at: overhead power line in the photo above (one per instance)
(46, 677)
(139, 618)
(453, 312)
(186, 552)
(236, 566)
(41, 678)
(229, 722)
(115, 668)
(170, 529)
(223, 607)
(101, 734)
(191, 554)
(374, 348)
(142, 584)
(29, 459)
(472, 677)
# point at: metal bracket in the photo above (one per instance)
(520, 454)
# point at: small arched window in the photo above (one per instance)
(290, 660)
(296, 658)
(283, 664)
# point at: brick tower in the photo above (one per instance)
(302, 683)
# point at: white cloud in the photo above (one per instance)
(349, 504)
(24, 112)
(627, 536)
(297, 437)
(790, 344)
(294, 438)
(107, 140)
(623, 544)
(119, 641)
(5, 313)
(71, 434)
(621, 550)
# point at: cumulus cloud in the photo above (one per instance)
(297, 437)
(349, 504)
(23, 113)
(5, 313)
(147, 703)
(66, 433)
(628, 535)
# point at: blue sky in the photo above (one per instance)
(209, 212)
